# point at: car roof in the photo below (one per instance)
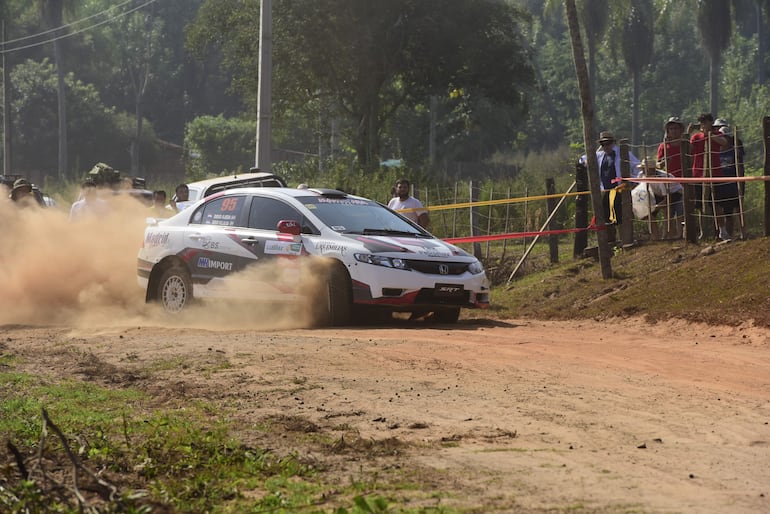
(215, 184)
(290, 192)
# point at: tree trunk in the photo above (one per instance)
(587, 109)
(761, 39)
(62, 102)
(635, 121)
(135, 157)
(714, 81)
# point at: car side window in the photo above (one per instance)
(265, 213)
(227, 211)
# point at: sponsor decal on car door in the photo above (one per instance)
(211, 249)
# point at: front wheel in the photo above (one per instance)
(334, 305)
(175, 289)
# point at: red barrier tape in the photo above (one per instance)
(517, 235)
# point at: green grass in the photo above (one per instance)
(656, 280)
(182, 457)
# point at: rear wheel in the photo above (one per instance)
(175, 289)
(335, 302)
(447, 315)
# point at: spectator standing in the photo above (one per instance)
(22, 193)
(89, 205)
(608, 157)
(403, 200)
(670, 150)
(180, 199)
(658, 197)
(706, 147)
(158, 206)
(731, 160)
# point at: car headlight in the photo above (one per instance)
(379, 260)
(476, 267)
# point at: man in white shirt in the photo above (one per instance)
(89, 205)
(403, 200)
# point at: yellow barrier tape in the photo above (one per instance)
(493, 202)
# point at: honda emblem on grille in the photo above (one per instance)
(443, 269)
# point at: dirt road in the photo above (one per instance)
(520, 414)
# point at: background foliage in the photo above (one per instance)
(453, 88)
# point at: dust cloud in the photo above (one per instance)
(83, 274)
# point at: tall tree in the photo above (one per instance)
(715, 27)
(372, 57)
(637, 48)
(594, 18)
(140, 49)
(594, 15)
(53, 13)
(589, 134)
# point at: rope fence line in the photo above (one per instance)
(591, 227)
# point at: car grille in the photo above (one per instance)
(436, 268)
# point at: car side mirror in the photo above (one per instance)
(289, 227)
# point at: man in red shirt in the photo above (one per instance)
(705, 146)
(670, 150)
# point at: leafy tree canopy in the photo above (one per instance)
(369, 57)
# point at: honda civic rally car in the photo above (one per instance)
(342, 254)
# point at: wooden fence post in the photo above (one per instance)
(454, 213)
(691, 230)
(581, 210)
(553, 239)
(489, 216)
(627, 225)
(507, 218)
(474, 211)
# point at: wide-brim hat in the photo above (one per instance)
(720, 122)
(606, 137)
(21, 183)
(673, 120)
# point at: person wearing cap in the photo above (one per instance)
(731, 161)
(22, 193)
(653, 197)
(670, 150)
(608, 157)
(706, 147)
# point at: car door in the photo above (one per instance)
(277, 269)
(212, 246)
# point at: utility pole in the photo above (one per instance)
(264, 91)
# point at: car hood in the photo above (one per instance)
(406, 247)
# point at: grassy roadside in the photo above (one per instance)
(724, 283)
(136, 452)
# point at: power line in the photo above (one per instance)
(56, 29)
(73, 33)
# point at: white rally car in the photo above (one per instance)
(366, 257)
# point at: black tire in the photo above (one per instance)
(174, 290)
(334, 304)
(447, 315)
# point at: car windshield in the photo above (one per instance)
(359, 216)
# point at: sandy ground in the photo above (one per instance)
(515, 415)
